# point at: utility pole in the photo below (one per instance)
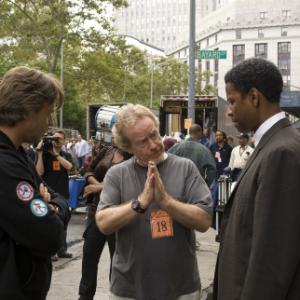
(191, 102)
(61, 111)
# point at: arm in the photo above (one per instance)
(94, 186)
(230, 165)
(40, 163)
(210, 168)
(113, 218)
(187, 214)
(211, 174)
(41, 234)
(65, 163)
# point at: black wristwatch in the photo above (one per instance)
(136, 206)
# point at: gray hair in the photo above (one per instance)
(127, 117)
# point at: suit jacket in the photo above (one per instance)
(259, 256)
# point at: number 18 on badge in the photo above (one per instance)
(161, 224)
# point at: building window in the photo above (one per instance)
(238, 34)
(284, 31)
(207, 42)
(216, 38)
(261, 50)
(238, 54)
(260, 33)
(286, 13)
(263, 15)
(214, 6)
(284, 62)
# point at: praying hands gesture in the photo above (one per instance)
(154, 189)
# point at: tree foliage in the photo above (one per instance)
(97, 66)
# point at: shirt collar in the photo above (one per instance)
(165, 156)
(266, 125)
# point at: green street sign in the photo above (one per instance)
(212, 54)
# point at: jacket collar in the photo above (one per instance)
(264, 140)
(4, 140)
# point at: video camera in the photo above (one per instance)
(47, 142)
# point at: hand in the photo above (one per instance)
(53, 152)
(147, 196)
(161, 197)
(92, 188)
(44, 193)
(39, 147)
(47, 197)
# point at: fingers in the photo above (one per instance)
(40, 144)
(44, 193)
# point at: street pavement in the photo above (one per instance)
(67, 272)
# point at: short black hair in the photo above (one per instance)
(257, 73)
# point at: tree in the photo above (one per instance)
(203, 77)
(37, 28)
(33, 32)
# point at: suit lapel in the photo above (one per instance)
(264, 140)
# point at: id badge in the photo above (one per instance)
(161, 224)
(218, 156)
(55, 165)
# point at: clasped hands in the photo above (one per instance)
(154, 190)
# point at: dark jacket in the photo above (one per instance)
(224, 159)
(259, 256)
(30, 232)
(200, 155)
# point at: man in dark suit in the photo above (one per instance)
(259, 256)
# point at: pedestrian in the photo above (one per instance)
(221, 151)
(231, 141)
(82, 149)
(169, 143)
(30, 228)
(94, 239)
(239, 156)
(153, 202)
(53, 165)
(192, 148)
(259, 249)
(208, 137)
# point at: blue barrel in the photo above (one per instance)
(76, 185)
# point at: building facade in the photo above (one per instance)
(162, 23)
(244, 29)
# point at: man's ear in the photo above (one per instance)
(255, 96)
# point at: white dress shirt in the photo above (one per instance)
(266, 125)
(239, 157)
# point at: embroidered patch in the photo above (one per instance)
(38, 207)
(24, 191)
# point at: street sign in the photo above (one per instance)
(187, 123)
(212, 54)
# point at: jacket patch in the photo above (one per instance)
(24, 191)
(39, 208)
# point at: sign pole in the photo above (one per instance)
(191, 102)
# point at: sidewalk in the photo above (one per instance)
(67, 272)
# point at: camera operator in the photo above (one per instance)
(53, 165)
